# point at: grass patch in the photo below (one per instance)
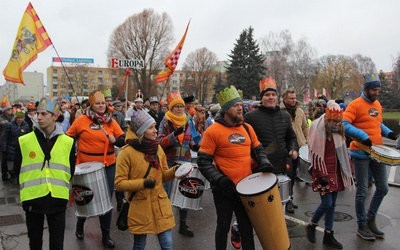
(391, 115)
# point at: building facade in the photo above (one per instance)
(32, 90)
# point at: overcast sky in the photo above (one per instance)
(81, 28)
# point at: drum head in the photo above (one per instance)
(256, 184)
(184, 170)
(88, 167)
(386, 151)
(303, 153)
(283, 178)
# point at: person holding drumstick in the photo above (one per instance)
(363, 122)
(224, 159)
(330, 167)
(177, 135)
(97, 133)
(45, 162)
(141, 154)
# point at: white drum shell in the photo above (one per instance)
(284, 187)
(90, 190)
(189, 192)
(304, 164)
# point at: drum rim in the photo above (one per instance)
(186, 172)
(384, 147)
(261, 192)
(92, 164)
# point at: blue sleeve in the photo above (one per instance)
(385, 130)
(354, 132)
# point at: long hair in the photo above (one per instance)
(329, 131)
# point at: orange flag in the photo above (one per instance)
(31, 39)
(172, 60)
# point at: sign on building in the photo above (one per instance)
(126, 63)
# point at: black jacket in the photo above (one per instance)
(274, 130)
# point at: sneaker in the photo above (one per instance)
(310, 229)
(235, 236)
(374, 229)
(289, 208)
(365, 233)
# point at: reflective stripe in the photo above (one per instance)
(51, 165)
(43, 181)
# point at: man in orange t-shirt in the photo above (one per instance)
(224, 159)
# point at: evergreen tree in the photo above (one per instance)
(219, 85)
(245, 69)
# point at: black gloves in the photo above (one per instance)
(323, 181)
(176, 165)
(149, 183)
(392, 136)
(367, 142)
(227, 188)
(179, 131)
(265, 168)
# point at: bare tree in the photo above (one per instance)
(144, 36)
(199, 68)
(364, 64)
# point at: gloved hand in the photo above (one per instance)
(367, 142)
(176, 165)
(179, 131)
(149, 183)
(265, 168)
(227, 187)
(323, 181)
(392, 136)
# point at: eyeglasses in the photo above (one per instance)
(179, 106)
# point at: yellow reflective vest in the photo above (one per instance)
(37, 178)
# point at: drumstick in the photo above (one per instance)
(102, 128)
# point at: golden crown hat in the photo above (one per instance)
(333, 111)
(267, 83)
(5, 103)
(96, 97)
(106, 93)
(173, 95)
(227, 97)
(48, 105)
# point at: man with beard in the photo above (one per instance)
(363, 122)
(300, 127)
(224, 159)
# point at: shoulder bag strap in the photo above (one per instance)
(145, 175)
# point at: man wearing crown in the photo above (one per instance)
(363, 122)
(45, 161)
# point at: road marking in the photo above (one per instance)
(302, 222)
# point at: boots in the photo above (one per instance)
(374, 229)
(79, 229)
(310, 229)
(185, 230)
(331, 241)
(107, 241)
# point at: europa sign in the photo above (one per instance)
(126, 63)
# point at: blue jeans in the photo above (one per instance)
(378, 171)
(164, 238)
(327, 207)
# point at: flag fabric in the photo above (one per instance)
(172, 60)
(316, 93)
(31, 39)
(122, 88)
(325, 93)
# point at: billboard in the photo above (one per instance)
(73, 60)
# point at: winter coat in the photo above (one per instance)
(10, 138)
(150, 211)
(299, 124)
(274, 130)
(333, 176)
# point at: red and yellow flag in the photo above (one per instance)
(172, 60)
(31, 39)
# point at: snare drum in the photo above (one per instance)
(190, 191)
(184, 170)
(386, 155)
(284, 187)
(90, 190)
(302, 171)
(260, 197)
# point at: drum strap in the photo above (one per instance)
(252, 151)
(96, 154)
(145, 175)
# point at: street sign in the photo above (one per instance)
(126, 63)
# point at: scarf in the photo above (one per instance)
(98, 118)
(291, 110)
(177, 121)
(148, 148)
(316, 144)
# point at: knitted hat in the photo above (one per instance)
(48, 105)
(189, 99)
(333, 111)
(30, 106)
(96, 97)
(5, 103)
(227, 97)
(140, 121)
(173, 99)
(267, 84)
(371, 81)
(19, 113)
(106, 93)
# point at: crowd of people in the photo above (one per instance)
(142, 144)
